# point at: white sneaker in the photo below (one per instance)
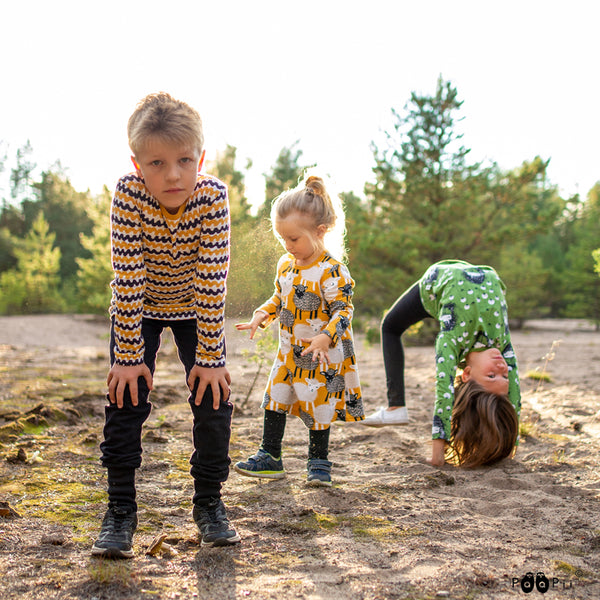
(382, 417)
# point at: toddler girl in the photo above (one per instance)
(314, 375)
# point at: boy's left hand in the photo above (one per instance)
(319, 346)
(218, 379)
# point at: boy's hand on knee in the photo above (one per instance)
(120, 376)
(217, 378)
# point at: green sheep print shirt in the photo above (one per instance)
(468, 301)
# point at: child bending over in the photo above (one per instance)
(170, 255)
(314, 375)
(476, 415)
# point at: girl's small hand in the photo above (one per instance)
(253, 325)
(438, 448)
(319, 346)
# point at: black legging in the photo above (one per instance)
(406, 311)
(274, 428)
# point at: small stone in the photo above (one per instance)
(6, 510)
(53, 539)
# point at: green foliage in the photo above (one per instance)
(596, 257)
(253, 247)
(32, 286)
(95, 273)
(428, 204)
(66, 211)
(21, 174)
(8, 259)
(285, 174)
(224, 168)
(582, 285)
(525, 277)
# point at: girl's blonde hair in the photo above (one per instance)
(311, 198)
(160, 115)
(484, 427)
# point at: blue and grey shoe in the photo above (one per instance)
(262, 464)
(319, 473)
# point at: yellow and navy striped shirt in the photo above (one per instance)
(169, 267)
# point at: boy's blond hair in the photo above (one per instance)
(160, 115)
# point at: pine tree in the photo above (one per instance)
(429, 204)
(32, 287)
(95, 272)
(582, 285)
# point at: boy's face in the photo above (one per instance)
(169, 170)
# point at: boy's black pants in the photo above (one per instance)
(122, 445)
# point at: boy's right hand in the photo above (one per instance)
(120, 376)
(253, 325)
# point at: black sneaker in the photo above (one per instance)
(116, 535)
(212, 522)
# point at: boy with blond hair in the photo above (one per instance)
(170, 255)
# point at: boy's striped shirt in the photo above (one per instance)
(169, 267)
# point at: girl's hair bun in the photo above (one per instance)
(315, 185)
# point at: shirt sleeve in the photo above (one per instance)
(338, 291)
(211, 275)
(129, 281)
(514, 385)
(446, 358)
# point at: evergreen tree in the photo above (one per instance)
(32, 287)
(428, 204)
(285, 174)
(525, 277)
(225, 169)
(596, 257)
(552, 246)
(12, 221)
(582, 285)
(21, 174)
(66, 212)
(95, 272)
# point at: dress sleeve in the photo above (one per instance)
(514, 386)
(211, 275)
(129, 281)
(446, 359)
(338, 288)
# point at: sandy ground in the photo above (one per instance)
(391, 527)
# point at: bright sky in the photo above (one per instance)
(265, 73)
